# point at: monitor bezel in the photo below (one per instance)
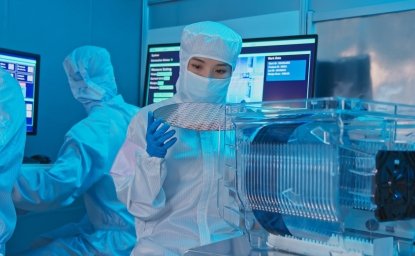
(35, 56)
(246, 40)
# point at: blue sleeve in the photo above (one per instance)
(82, 160)
(12, 141)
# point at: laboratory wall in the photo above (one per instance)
(183, 12)
(178, 13)
(365, 47)
(251, 19)
(341, 6)
(53, 29)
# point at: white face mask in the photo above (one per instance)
(86, 92)
(195, 88)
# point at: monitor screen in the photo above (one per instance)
(162, 72)
(268, 69)
(24, 67)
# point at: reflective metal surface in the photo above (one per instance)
(236, 246)
(367, 57)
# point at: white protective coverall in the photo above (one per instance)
(174, 198)
(83, 164)
(12, 142)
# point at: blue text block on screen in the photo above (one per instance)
(286, 70)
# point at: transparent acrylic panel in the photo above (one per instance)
(319, 168)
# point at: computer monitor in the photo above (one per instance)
(268, 69)
(24, 67)
(162, 72)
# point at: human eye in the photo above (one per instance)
(222, 72)
(196, 66)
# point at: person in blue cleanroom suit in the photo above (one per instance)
(83, 164)
(168, 182)
(12, 141)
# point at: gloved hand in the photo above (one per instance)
(158, 139)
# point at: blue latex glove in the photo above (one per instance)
(158, 138)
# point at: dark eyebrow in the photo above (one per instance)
(200, 60)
